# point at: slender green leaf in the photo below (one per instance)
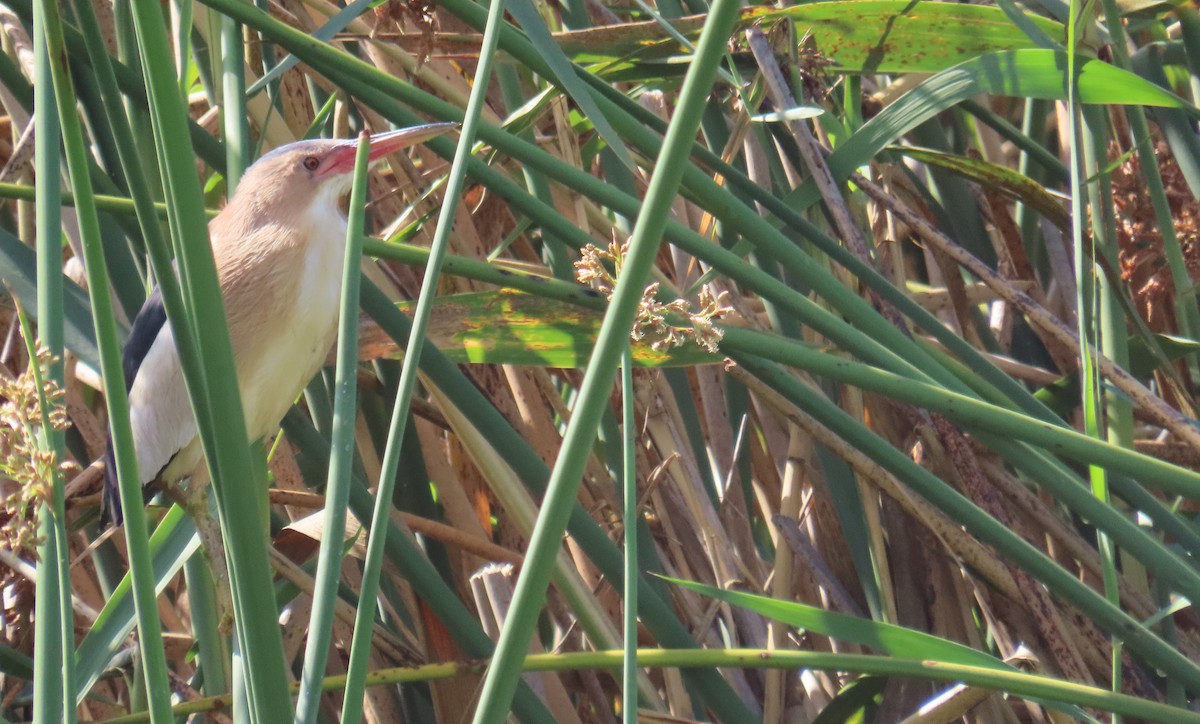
(219, 414)
(884, 637)
(337, 487)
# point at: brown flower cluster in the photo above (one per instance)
(27, 463)
(655, 320)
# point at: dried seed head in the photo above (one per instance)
(655, 321)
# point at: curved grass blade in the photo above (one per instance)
(885, 637)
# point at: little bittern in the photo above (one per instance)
(278, 247)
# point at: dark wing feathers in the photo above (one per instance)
(146, 327)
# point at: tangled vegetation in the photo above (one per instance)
(812, 363)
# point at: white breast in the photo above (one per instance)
(302, 332)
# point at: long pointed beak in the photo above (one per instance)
(384, 143)
(392, 141)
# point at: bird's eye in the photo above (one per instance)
(311, 162)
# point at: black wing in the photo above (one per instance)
(146, 327)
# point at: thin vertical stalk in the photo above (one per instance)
(212, 651)
(137, 538)
(629, 666)
(352, 707)
(1186, 310)
(234, 120)
(612, 341)
(149, 221)
(363, 623)
(57, 610)
(52, 701)
(341, 457)
(49, 436)
(1112, 341)
(225, 443)
(1091, 312)
(184, 15)
(202, 605)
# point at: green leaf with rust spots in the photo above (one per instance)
(1011, 183)
(512, 327)
(875, 36)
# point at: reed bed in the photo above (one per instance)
(815, 363)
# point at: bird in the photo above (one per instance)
(278, 245)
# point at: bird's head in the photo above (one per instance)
(318, 172)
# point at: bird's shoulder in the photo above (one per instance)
(147, 325)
